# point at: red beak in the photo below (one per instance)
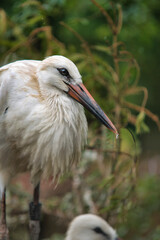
(81, 95)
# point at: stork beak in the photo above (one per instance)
(81, 94)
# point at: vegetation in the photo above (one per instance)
(104, 40)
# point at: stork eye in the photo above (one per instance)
(63, 72)
(100, 231)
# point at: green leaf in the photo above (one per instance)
(102, 48)
(141, 126)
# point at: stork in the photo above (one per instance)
(42, 125)
(89, 226)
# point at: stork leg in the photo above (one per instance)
(4, 233)
(35, 212)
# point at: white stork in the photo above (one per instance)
(42, 125)
(90, 227)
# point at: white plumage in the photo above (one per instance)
(90, 227)
(41, 128)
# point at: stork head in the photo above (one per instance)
(90, 227)
(58, 71)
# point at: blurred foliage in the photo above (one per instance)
(91, 34)
(143, 219)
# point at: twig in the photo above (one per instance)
(134, 90)
(142, 109)
(109, 151)
(120, 18)
(105, 13)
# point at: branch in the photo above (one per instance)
(105, 13)
(142, 109)
(134, 90)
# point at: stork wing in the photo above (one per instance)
(19, 75)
